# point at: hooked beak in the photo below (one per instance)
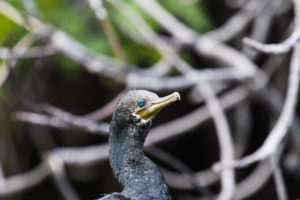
(154, 107)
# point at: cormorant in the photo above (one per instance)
(129, 127)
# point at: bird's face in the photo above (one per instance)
(140, 106)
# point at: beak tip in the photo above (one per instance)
(177, 95)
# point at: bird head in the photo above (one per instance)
(138, 107)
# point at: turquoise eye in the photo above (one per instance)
(141, 102)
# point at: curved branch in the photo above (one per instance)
(235, 24)
(22, 182)
(284, 46)
(225, 140)
(204, 45)
(279, 131)
(280, 48)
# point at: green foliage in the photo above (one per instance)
(123, 25)
(16, 3)
(141, 55)
(6, 27)
(10, 32)
(151, 22)
(135, 46)
(77, 19)
(194, 15)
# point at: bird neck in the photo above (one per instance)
(138, 174)
(126, 152)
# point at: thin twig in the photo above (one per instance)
(104, 111)
(113, 39)
(178, 181)
(242, 128)
(83, 156)
(182, 82)
(187, 172)
(146, 31)
(61, 41)
(254, 182)
(101, 14)
(261, 26)
(279, 131)
(32, 52)
(284, 46)
(11, 56)
(224, 138)
(239, 21)
(2, 178)
(279, 181)
(92, 62)
(55, 163)
(280, 48)
(66, 122)
(204, 45)
(193, 119)
(21, 182)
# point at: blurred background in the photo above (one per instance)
(65, 64)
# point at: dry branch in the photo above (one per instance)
(271, 144)
(284, 46)
(239, 21)
(225, 140)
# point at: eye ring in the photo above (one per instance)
(141, 102)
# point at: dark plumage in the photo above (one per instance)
(129, 127)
